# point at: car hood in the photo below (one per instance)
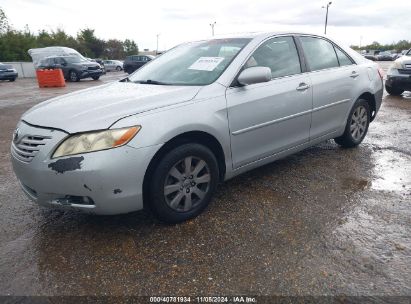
(5, 66)
(404, 60)
(99, 107)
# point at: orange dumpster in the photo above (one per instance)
(50, 78)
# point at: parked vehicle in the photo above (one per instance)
(39, 54)
(100, 62)
(395, 56)
(135, 62)
(369, 57)
(74, 67)
(384, 56)
(201, 113)
(399, 75)
(113, 65)
(7, 72)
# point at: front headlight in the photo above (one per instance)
(396, 65)
(393, 69)
(95, 141)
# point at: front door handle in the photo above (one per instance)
(354, 74)
(302, 87)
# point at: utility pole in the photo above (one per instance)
(157, 44)
(212, 27)
(326, 18)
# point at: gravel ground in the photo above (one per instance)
(326, 221)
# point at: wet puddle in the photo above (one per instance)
(392, 171)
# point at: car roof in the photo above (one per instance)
(260, 34)
(60, 56)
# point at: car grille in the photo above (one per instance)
(27, 146)
(408, 66)
(405, 71)
(93, 68)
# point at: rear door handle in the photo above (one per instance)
(302, 87)
(354, 74)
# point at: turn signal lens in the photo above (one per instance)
(95, 141)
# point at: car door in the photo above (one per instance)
(332, 85)
(138, 62)
(267, 118)
(111, 65)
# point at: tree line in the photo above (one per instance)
(14, 44)
(397, 46)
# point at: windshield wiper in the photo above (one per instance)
(149, 81)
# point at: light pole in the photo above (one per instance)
(326, 17)
(157, 44)
(212, 27)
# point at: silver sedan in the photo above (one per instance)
(113, 65)
(201, 113)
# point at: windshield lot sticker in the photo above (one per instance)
(206, 63)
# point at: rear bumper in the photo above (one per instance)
(378, 101)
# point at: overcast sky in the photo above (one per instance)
(182, 20)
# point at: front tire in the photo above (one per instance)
(73, 76)
(357, 125)
(118, 69)
(393, 90)
(183, 183)
(96, 77)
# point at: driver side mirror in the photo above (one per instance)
(254, 75)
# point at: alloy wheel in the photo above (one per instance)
(187, 183)
(358, 124)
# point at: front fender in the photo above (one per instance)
(207, 115)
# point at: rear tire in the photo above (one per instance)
(183, 183)
(357, 125)
(393, 90)
(95, 77)
(11, 80)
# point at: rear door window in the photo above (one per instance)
(319, 53)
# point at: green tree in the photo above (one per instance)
(130, 47)
(4, 22)
(90, 44)
(14, 44)
(114, 49)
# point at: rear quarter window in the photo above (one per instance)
(343, 58)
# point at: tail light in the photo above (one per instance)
(381, 73)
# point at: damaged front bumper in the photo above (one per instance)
(102, 182)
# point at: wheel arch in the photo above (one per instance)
(199, 137)
(370, 98)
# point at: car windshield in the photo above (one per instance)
(74, 59)
(194, 63)
(408, 53)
